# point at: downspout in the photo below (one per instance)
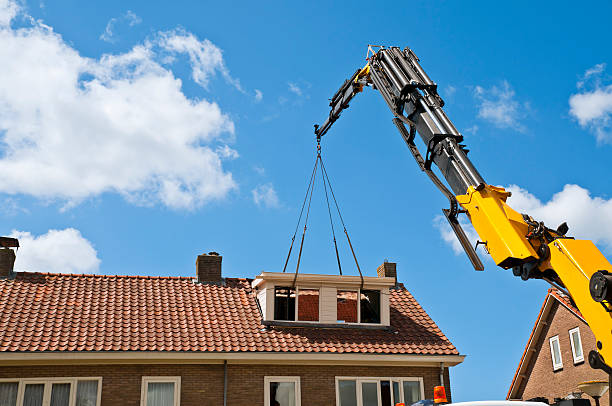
(225, 383)
(441, 373)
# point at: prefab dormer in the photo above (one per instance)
(324, 300)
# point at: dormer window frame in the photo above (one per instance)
(297, 303)
(266, 284)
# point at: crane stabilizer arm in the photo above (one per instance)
(514, 240)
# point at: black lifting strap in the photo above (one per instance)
(308, 190)
(308, 198)
(324, 172)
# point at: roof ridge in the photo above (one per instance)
(32, 274)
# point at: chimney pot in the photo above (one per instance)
(387, 269)
(7, 261)
(208, 268)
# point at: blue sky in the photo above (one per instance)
(136, 136)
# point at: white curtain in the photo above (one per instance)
(33, 394)
(412, 392)
(87, 393)
(8, 393)
(282, 394)
(60, 394)
(160, 394)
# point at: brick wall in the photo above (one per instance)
(541, 379)
(202, 385)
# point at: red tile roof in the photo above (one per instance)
(61, 312)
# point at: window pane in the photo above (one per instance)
(396, 393)
(347, 306)
(282, 393)
(577, 343)
(556, 352)
(8, 393)
(348, 393)
(284, 304)
(33, 394)
(60, 394)
(308, 305)
(412, 392)
(87, 393)
(370, 306)
(369, 393)
(160, 394)
(385, 392)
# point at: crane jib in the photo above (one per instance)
(514, 240)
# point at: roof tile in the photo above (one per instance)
(67, 312)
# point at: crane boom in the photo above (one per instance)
(515, 241)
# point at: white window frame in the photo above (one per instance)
(358, 291)
(581, 358)
(160, 379)
(48, 382)
(360, 379)
(294, 379)
(559, 365)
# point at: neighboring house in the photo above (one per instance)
(91, 340)
(555, 359)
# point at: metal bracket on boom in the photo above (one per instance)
(453, 211)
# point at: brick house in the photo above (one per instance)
(555, 359)
(91, 340)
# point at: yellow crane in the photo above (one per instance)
(514, 240)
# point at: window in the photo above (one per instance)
(576, 345)
(282, 391)
(363, 391)
(555, 351)
(370, 306)
(160, 391)
(368, 310)
(50, 392)
(284, 304)
(285, 308)
(347, 306)
(308, 305)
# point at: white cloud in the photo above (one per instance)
(109, 32)
(449, 91)
(73, 127)
(65, 251)
(265, 196)
(205, 57)
(8, 11)
(592, 107)
(258, 95)
(448, 235)
(294, 88)
(499, 106)
(588, 217)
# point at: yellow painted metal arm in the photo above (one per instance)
(570, 263)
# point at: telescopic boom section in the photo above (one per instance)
(513, 240)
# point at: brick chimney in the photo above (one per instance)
(208, 268)
(7, 260)
(387, 269)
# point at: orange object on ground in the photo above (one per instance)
(439, 394)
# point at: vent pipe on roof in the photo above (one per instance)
(208, 268)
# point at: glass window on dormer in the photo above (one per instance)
(284, 304)
(370, 306)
